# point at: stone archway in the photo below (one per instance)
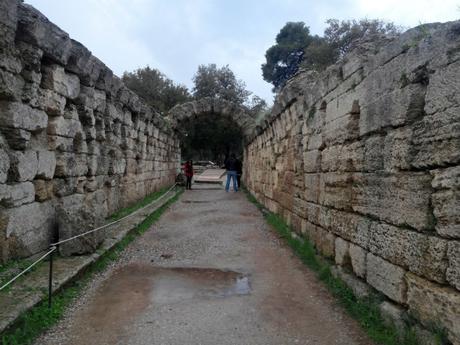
(209, 106)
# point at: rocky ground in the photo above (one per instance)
(211, 271)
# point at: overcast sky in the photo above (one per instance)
(175, 36)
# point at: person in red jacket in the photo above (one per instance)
(188, 171)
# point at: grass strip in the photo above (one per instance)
(38, 319)
(365, 310)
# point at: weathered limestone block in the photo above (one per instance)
(360, 289)
(64, 127)
(21, 116)
(46, 164)
(43, 190)
(343, 157)
(400, 199)
(36, 29)
(444, 89)
(70, 164)
(349, 226)
(31, 226)
(325, 242)
(342, 129)
(395, 108)
(18, 139)
(397, 149)
(436, 140)
(393, 315)
(432, 303)
(453, 269)
(358, 260)
(342, 256)
(312, 187)
(23, 165)
(55, 78)
(446, 208)
(4, 165)
(11, 86)
(51, 102)
(336, 190)
(73, 218)
(16, 194)
(386, 278)
(421, 254)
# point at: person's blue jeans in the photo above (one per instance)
(231, 174)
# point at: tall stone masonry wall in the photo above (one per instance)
(364, 159)
(75, 143)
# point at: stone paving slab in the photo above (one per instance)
(210, 175)
(31, 289)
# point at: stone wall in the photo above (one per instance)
(364, 159)
(75, 143)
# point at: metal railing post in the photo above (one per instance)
(50, 281)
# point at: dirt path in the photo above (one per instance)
(209, 272)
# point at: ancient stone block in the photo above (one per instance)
(325, 242)
(69, 164)
(21, 116)
(360, 289)
(18, 139)
(397, 149)
(393, 315)
(312, 161)
(421, 254)
(4, 165)
(436, 140)
(55, 78)
(312, 185)
(434, 304)
(11, 86)
(349, 226)
(15, 195)
(46, 164)
(51, 102)
(394, 108)
(443, 89)
(23, 165)
(73, 218)
(43, 190)
(342, 129)
(386, 278)
(446, 209)
(400, 199)
(32, 226)
(342, 256)
(358, 260)
(35, 28)
(335, 190)
(453, 269)
(348, 157)
(64, 127)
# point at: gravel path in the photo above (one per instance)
(209, 272)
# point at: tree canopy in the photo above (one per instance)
(284, 57)
(295, 48)
(211, 81)
(155, 88)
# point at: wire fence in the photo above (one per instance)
(54, 246)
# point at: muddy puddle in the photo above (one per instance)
(136, 287)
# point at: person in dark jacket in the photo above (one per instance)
(239, 171)
(188, 171)
(232, 167)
